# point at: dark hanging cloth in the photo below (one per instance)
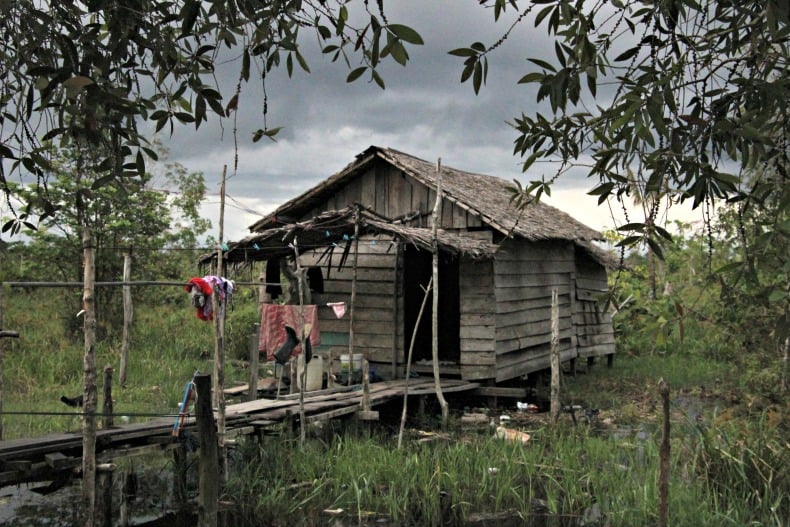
(316, 279)
(273, 277)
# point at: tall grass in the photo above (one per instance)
(725, 471)
(562, 477)
(168, 345)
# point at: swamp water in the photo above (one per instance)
(153, 503)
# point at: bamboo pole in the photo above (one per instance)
(219, 342)
(300, 359)
(128, 315)
(555, 357)
(89, 382)
(437, 214)
(353, 298)
(408, 362)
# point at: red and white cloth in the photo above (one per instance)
(275, 317)
(202, 290)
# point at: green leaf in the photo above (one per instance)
(102, 181)
(406, 34)
(626, 55)
(543, 64)
(140, 162)
(532, 77)
(398, 52)
(188, 15)
(245, 65)
(635, 227)
(356, 73)
(270, 133)
(477, 79)
(302, 62)
(656, 248)
(463, 52)
(378, 80)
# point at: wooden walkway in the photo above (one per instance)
(45, 458)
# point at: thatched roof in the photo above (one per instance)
(336, 229)
(486, 197)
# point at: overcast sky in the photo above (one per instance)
(424, 111)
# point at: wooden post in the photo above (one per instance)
(128, 493)
(437, 214)
(2, 356)
(105, 477)
(209, 460)
(353, 298)
(663, 453)
(3, 334)
(89, 382)
(128, 316)
(252, 392)
(104, 497)
(555, 357)
(365, 385)
(395, 311)
(180, 467)
(107, 417)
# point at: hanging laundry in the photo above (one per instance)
(274, 319)
(201, 291)
(338, 308)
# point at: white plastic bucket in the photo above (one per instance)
(356, 361)
(315, 374)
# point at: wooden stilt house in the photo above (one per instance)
(365, 237)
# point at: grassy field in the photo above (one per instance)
(728, 446)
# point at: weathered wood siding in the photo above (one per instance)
(390, 192)
(375, 330)
(478, 318)
(524, 275)
(594, 330)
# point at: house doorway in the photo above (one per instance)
(417, 271)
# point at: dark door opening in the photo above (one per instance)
(417, 271)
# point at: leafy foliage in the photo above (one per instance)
(711, 304)
(127, 216)
(92, 73)
(680, 100)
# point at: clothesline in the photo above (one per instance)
(110, 284)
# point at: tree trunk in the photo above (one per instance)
(89, 391)
(128, 316)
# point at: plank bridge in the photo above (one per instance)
(47, 458)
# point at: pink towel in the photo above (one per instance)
(275, 317)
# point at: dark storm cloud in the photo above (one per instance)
(424, 111)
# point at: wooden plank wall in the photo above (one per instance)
(477, 311)
(375, 332)
(392, 193)
(594, 329)
(524, 275)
